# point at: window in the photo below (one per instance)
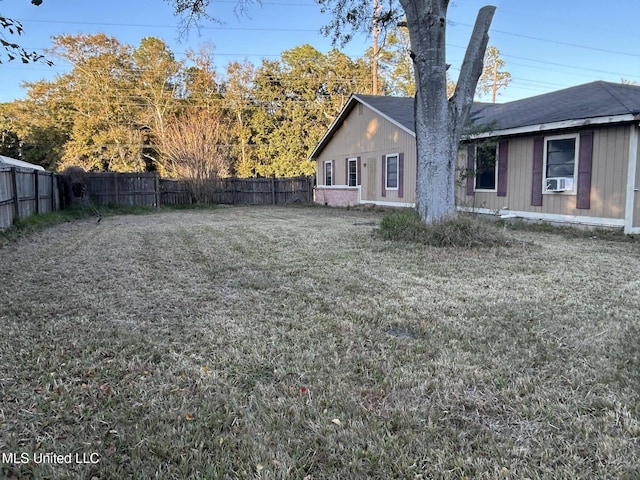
(352, 172)
(560, 156)
(328, 173)
(391, 168)
(486, 167)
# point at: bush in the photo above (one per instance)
(463, 231)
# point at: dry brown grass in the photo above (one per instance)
(291, 343)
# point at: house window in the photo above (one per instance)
(352, 172)
(328, 173)
(486, 167)
(560, 156)
(391, 168)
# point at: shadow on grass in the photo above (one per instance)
(35, 223)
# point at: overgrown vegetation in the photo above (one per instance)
(463, 231)
(282, 343)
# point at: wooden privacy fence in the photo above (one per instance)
(241, 191)
(147, 189)
(124, 189)
(24, 192)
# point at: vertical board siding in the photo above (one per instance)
(369, 136)
(583, 200)
(471, 166)
(503, 167)
(608, 178)
(25, 192)
(538, 172)
(636, 185)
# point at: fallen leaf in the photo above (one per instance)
(188, 416)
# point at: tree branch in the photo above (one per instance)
(462, 100)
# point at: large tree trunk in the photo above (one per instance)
(439, 121)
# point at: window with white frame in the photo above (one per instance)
(560, 162)
(486, 171)
(328, 173)
(391, 172)
(352, 172)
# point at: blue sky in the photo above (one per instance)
(546, 44)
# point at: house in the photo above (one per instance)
(567, 156)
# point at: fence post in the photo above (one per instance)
(36, 185)
(157, 187)
(16, 198)
(233, 189)
(273, 190)
(117, 193)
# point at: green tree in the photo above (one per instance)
(41, 124)
(396, 65)
(297, 98)
(240, 108)
(154, 83)
(105, 133)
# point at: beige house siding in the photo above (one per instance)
(369, 136)
(636, 185)
(608, 180)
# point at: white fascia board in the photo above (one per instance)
(331, 130)
(544, 127)
(631, 179)
(386, 117)
(388, 204)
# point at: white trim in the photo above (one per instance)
(386, 171)
(324, 172)
(543, 127)
(346, 109)
(355, 161)
(576, 159)
(631, 182)
(549, 217)
(388, 204)
(386, 117)
(336, 187)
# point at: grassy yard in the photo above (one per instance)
(279, 343)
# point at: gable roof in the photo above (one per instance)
(591, 103)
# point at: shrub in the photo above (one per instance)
(462, 231)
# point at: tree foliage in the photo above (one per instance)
(493, 76)
(117, 108)
(195, 149)
(10, 29)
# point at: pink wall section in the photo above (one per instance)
(336, 196)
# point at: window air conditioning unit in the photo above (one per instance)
(559, 184)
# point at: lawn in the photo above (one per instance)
(294, 343)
